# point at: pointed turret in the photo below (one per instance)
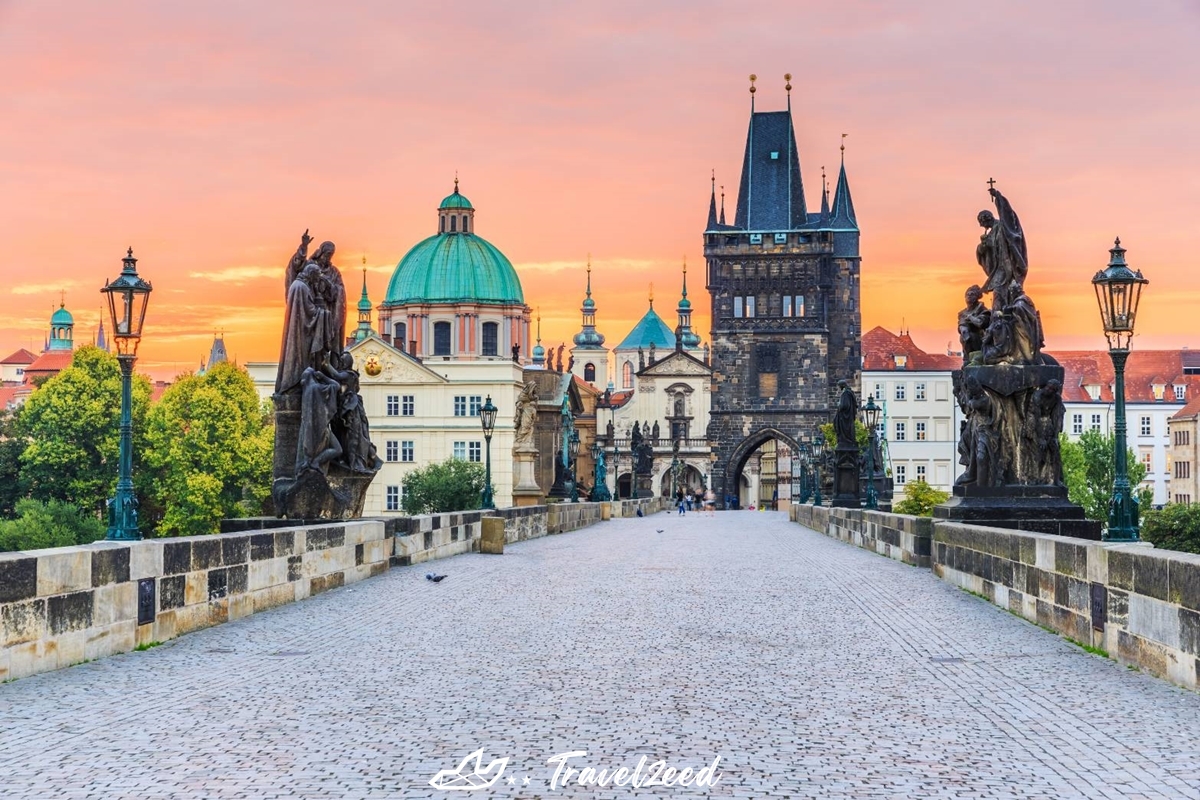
(588, 337)
(217, 354)
(771, 193)
(685, 337)
(843, 204)
(364, 328)
(722, 222)
(712, 205)
(825, 215)
(101, 339)
(539, 352)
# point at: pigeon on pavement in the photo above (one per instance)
(435, 578)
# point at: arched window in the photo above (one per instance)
(491, 330)
(453, 223)
(589, 372)
(399, 339)
(627, 375)
(441, 338)
(464, 223)
(442, 225)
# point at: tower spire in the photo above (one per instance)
(843, 204)
(722, 205)
(824, 197)
(588, 337)
(364, 309)
(539, 352)
(712, 204)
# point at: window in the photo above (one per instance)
(1148, 460)
(920, 434)
(392, 450)
(476, 404)
(406, 452)
(401, 333)
(900, 475)
(879, 391)
(393, 498)
(1183, 438)
(900, 432)
(627, 375)
(393, 405)
(1146, 429)
(1180, 392)
(787, 305)
(406, 405)
(1183, 469)
(441, 338)
(460, 451)
(589, 372)
(491, 337)
(901, 391)
(919, 392)
(799, 305)
(453, 223)
(1077, 424)
(474, 451)
(1095, 422)
(738, 307)
(442, 225)
(464, 223)
(921, 472)
(750, 306)
(460, 405)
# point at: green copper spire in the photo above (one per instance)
(364, 310)
(588, 337)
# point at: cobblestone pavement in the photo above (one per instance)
(811, 668)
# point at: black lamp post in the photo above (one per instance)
(802, 455)
(871, 418)
(818, 456)
(574, 440)
(1118, 290)
(487, 417)
(127, 299)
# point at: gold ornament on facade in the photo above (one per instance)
(372, 366)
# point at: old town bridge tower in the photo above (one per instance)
(784, 283)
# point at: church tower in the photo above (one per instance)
(589, 354)
(785, 301)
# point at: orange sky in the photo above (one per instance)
(209, 135)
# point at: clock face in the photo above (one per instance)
(372, 367)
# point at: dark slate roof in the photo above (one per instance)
(843, 205)
(771, 194)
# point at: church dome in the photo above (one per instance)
(62, 317)
(455, 265)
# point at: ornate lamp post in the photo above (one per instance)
(871, 418)
(574, 440)
(818, 456)
(127, 299)
(487, 417)
(802, 456)
(1118, 290)
(600, 492)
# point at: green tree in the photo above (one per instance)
(861, 435)
(208, 452)
(1089, 467)
(12, 445)
(53, 523)
(453, 485)
(919, 499)
(71, 426)
(1175, 527)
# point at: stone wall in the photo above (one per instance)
(1140, 605)
(897, 536)
(66, 605)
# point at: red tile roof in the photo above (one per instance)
(1143, 371)
(880, 348)
(50, 363)
(1189, 410)
(22, 356)
(8, 396)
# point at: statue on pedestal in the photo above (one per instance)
(324, 458)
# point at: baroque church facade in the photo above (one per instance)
(784, 286)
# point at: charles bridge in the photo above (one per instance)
(811, 667)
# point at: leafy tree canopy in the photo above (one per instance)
(1175, 527)
(452, 485)
(208, 452)
(1089, 467)
(53, 523)
(12, 445)
(71, 426)
(861, 434)
(919, 499)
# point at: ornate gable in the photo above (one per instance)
(676, 364)
(379, 362)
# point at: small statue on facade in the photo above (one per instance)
(973, 322)
(525, 417)
(844, 418)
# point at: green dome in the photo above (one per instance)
(62, 317)
(456, 200)
(453, 268)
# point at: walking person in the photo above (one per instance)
(679, 502)
(710, 502)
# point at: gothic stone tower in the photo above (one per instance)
(785, 301)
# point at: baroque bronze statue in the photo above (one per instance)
(1010, 393)
(324, 458)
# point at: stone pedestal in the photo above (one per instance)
(643, 486)
(526, 492)
(1036, 509)
(845, 478)
(491, 538)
